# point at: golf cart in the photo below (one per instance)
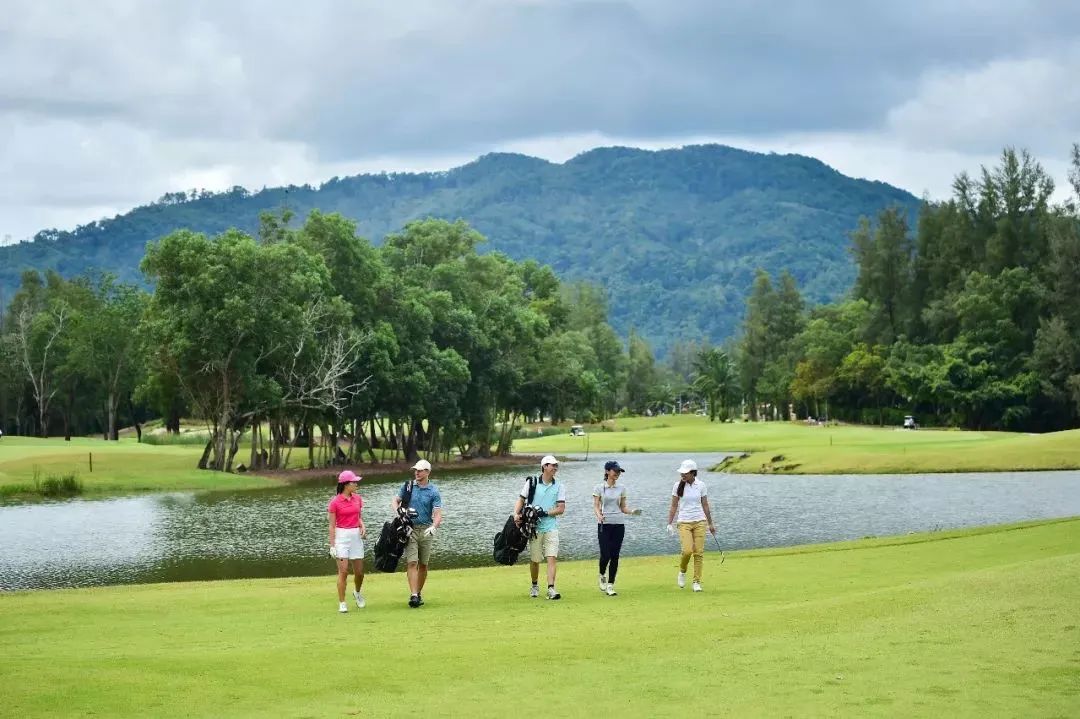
(577, 431)
(909, 422)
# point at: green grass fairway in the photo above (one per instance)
(825, 450)
(976, 623)
(124, 466)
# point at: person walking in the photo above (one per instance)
(426, 501)
(347, 534)
(550, 499)
(609, 506)
(689, 498)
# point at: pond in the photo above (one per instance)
(282, 532)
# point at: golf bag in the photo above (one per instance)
(395, 534)
(514, 538)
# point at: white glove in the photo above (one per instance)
(671, 529)
(333, 551)
(430, 531)
(636, 513)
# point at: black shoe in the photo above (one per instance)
(419, 600)
(414, 601)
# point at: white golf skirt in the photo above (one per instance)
(348, 543)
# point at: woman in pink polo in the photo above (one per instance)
(347, 536)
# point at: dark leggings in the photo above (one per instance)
(610, 536)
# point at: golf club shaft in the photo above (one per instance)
(722, 555)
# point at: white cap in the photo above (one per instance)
(422, 464)
(688, 465)
(548, 459)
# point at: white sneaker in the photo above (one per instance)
(343, 607)
(552, 594)
(681, 580)
(535, 591)
(603, 583)
(611, 590)
(360, 600)
(697, 586)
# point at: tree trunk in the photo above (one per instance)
(219, 440)
(135, 421)
(234, 446)
(205, 454)
(42, 424)
(110, 410)
(67, 412)
(172, 422)
(309, 431)
(256, 428)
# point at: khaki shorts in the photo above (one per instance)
(545, 544)
(419, 547)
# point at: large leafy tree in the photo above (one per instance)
(223, 309)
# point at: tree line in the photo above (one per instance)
(971, 320)
(422, 345)
(425, 345)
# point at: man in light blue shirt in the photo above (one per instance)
(550, 497)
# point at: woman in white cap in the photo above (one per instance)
(689, 498)
(609, 506)
(347, 536)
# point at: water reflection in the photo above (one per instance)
(283, 532)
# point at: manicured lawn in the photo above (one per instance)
(124, 466)
(977, 623)
(825, 450)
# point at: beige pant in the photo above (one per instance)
(544, 544)
(419, 547)
(692, 539)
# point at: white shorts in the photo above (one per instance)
(544, 544)
(348, 544)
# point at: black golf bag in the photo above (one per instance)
(514, 538)
(394, 536)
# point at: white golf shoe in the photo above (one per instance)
(343, 607)
(681, 581)
(603, 583)
(360, 603)
(697, 586)
(610, 591)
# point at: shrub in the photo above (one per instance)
(66, 485)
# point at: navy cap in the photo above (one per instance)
(612, 464)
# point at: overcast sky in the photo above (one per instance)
(108, 104)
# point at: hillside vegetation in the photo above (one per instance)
(675, 236)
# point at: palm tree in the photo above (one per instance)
(714, 379)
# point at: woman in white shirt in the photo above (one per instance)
(689, 499)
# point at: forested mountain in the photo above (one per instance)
(675, 236)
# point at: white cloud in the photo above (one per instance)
(1032, 101)
(107, 105)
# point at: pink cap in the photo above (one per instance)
(348, 476)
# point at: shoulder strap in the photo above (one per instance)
(406, 494)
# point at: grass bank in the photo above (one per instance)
(839, 449)
(27, 465)
(974, 623)
(124, 466)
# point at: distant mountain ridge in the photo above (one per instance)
(674, 235)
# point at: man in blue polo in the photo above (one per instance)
(427, 502)
(550, 497)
